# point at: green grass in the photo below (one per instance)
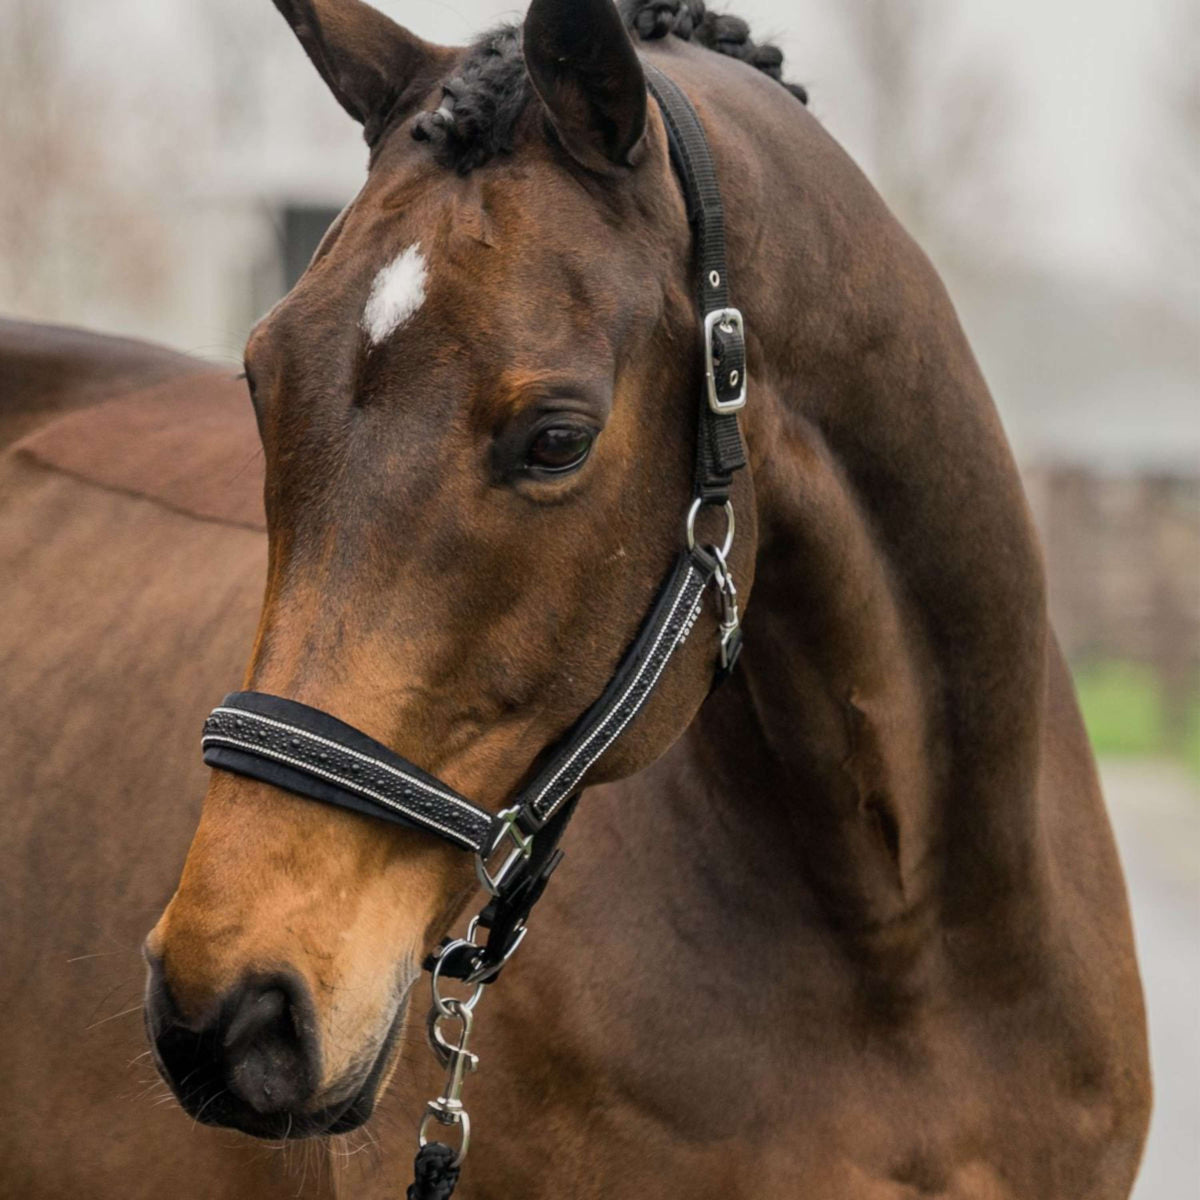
(1123, 710)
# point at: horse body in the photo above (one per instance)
(859, 933)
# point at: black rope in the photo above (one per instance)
(434, 1174)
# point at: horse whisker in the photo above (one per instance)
(104, 1020)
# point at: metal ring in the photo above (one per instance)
(730, 525)
(457, 1011)
(442, 1005)
(459, 1118)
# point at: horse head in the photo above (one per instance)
(477, 411)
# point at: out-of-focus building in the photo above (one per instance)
(1100, 392)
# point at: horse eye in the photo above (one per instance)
(556, 449)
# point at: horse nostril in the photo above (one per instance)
(268, 1063)
(254, 1013)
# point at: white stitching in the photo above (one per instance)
(350, 785)
(465, 805)
(693, 576)
(599, 730)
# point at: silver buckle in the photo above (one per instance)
(730, 321)
(523, 849)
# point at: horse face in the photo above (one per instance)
(477, 416)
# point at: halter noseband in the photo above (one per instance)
(311, 753)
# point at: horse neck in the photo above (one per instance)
(887, 719)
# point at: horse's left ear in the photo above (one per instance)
(584, 67)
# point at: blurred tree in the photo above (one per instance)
(1168, 191)
(937, 125)
(232, 30)
(73, 226)
(39, 149)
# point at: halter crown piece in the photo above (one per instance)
(310, 753)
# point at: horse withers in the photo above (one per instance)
(851, 926)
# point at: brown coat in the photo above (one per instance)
(852, 928)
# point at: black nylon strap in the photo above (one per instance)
(505, 914)
(313, 754)
(720, 451)
(670, 621)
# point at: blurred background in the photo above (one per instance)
(167, 167)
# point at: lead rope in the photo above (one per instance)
(435, 1173)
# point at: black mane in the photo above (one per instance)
(483, 103)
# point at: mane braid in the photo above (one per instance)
(482, 105)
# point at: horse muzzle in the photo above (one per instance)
(254, 1062)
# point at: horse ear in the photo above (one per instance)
(368, 61)
(584, 67)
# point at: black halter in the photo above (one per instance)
(313, 754)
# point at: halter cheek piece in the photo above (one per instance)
(310, 753)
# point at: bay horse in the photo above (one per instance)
(849, 927)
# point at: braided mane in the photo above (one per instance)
(483, 103)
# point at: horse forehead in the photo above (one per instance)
(519, 246)
(397, 293)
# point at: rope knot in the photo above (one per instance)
(434, 1174)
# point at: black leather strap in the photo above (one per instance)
(313, 754)
(720, 451)
(665, 630)
(308, 752)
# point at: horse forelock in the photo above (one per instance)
(480, 108)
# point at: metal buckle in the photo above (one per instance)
(730, 321)
(523, 843)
